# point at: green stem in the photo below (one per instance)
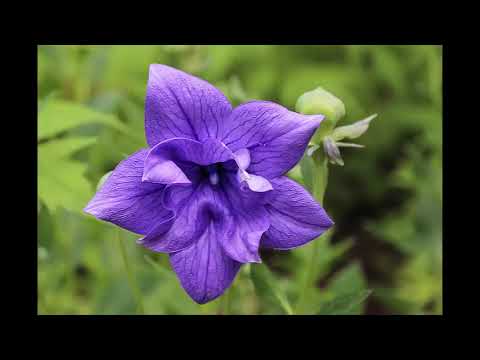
(285, 305)
(320, 181)
(131, 278)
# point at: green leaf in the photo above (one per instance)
(267, 289)
(349, 279)
(346, 283)
(329, 254)
(57, 116)
(61, 181)
(65, 147)
(344, 304)
(62, 184)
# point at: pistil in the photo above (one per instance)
(213, 174)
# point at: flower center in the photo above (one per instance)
(213, 174)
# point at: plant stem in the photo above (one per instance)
(285, 305)
(131, 278)
(320, 181)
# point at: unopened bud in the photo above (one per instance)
(320, 101)
(354, 130)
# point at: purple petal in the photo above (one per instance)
(254, 182)
(245, 225)
(275, 136)
(166, 161)
(295, 217)
(128, 202)
(181, 105)
(195, 208)
(161, 171)
(204, 270)
(239, 216)
(242, 158)
(242, 235)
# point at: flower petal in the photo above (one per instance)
(242, 158)
(128, 202)
(239, 215)
(245, 224)
(295, 217)
(195, 208)
(254, 182)
(163, 171)
(242, 234)
(181, 105)
(204, 269)
(275, 136)
(166, 161)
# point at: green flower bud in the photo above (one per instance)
(320, 101)
(354, 130)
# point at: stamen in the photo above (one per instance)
(243, 175)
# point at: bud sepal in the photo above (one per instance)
(354, 130)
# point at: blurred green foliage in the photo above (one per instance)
(384, 256)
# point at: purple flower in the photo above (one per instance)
(210, 189)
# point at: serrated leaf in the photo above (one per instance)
(65, 147)
(344, 304)
(64, 185)
(266, 288)
(57, 116)
(61, 181)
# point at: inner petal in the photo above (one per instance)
(242, 158)
(177, 161)
(254, 182)
(162, 171)
(183, 161)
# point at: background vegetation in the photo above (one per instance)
(386, 200)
